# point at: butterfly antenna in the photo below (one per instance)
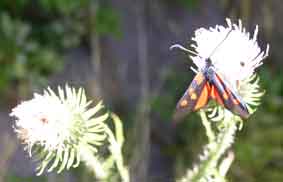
(194, 70)
(218, 45)
(184, 49)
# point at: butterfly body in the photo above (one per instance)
(209, 84)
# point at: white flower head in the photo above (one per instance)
(43, 120)
(232, 51)
(234, 54)
(54, 128)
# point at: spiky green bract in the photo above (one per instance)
(60, 130)
(221, 125)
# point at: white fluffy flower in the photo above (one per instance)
(233, 54)
(57, 129)
(43, 120)
(231, 49)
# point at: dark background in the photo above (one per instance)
(118, 50)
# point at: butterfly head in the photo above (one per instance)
(209, 72)
(208, 62)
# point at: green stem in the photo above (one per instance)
(207, 125)
(215, 149)
(115, 149)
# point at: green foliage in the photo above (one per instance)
(188, 3)
(63, 6)
(21, 57)
(34, 35)
(107, 21)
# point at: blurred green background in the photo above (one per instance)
(119, 51)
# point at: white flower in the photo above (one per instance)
(43, 120)
(56, 130)
(234, 55)
(231, 50)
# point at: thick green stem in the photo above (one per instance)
(215, 149)
(207, 125)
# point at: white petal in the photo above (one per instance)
(236, 56)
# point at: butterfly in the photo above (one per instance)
(209, 84)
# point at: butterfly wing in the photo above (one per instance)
(195, 97)
(223, 93)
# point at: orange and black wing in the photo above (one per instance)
(223, 93)
(195, 97)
